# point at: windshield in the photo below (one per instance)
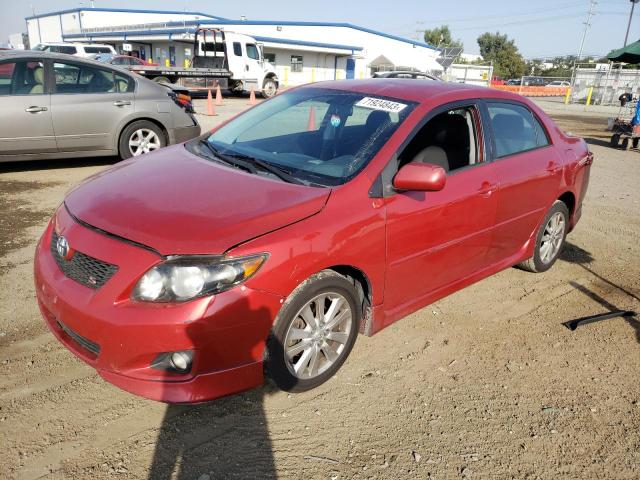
(40, 47)
(319, 136)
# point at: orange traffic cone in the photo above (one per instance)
(210, 110)
(218, 96)
(252, 97)
(311, 126)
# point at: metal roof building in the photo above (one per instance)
(301, 51)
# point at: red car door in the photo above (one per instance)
(529, 171)
(435, 239)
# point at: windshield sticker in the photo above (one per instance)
(335, 120)
(380, 104)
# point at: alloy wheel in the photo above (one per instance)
(318, 335)
(552, 238)
(143, 140)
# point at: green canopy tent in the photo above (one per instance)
(628, 54)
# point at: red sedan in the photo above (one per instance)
(330, 210)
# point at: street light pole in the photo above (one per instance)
(633, 4)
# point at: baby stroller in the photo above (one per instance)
(626, 133)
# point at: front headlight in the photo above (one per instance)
(179, 279)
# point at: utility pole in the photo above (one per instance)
(587, 24)
(633, 4)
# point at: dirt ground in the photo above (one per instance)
(486, 383)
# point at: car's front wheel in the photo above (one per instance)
(314, 332)
(549, 240)
(140, 137)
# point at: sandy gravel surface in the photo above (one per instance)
(486, 383)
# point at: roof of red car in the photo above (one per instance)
(415, 90)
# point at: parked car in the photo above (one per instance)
(122, 60)
(559, 83)
(78, 49)
(62, 107)
(267, 247)
(513, 81)
(534, 82)
(405, 74)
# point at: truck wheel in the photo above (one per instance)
(140, 137)
(162, 80)
(269, 88)
(615, 140)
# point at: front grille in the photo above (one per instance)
(85, 270)
(83, 342)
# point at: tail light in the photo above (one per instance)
(182, 100)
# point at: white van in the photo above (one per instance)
(78, 49)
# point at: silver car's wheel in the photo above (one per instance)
(318, 335)
(552, 238)
(142, 141)
(140, 137)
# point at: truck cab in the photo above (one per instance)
(241, 55)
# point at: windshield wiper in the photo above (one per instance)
(279, 172)
(248, 163)
(227, 159)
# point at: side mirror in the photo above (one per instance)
(421, 177)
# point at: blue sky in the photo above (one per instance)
(541, 28)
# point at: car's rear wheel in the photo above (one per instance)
(314, 332)
(549, 240)
(140, 137)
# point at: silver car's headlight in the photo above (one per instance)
(183, 278)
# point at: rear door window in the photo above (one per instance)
(514, 129)
(77, 78)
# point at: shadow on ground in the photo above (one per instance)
(81, 162)
(226, 438)
(581, 257)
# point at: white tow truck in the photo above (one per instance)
(231, 60)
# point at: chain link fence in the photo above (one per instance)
(603, 85)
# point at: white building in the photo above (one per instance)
(301, 51)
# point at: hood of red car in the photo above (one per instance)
(179, 203)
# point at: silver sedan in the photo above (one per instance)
(59, 106)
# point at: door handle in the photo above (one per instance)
(35, 109)
(246, 67)
(553, 167)
(121, 103)
(487, 189)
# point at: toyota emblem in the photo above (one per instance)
(62, 246)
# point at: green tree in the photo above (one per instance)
(441, 37)
(499, 49)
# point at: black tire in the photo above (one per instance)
(615, 140)
(269, 87)
(276, 366)
(625, 144)
(123, 144)
(634, 142)
(535, 264)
